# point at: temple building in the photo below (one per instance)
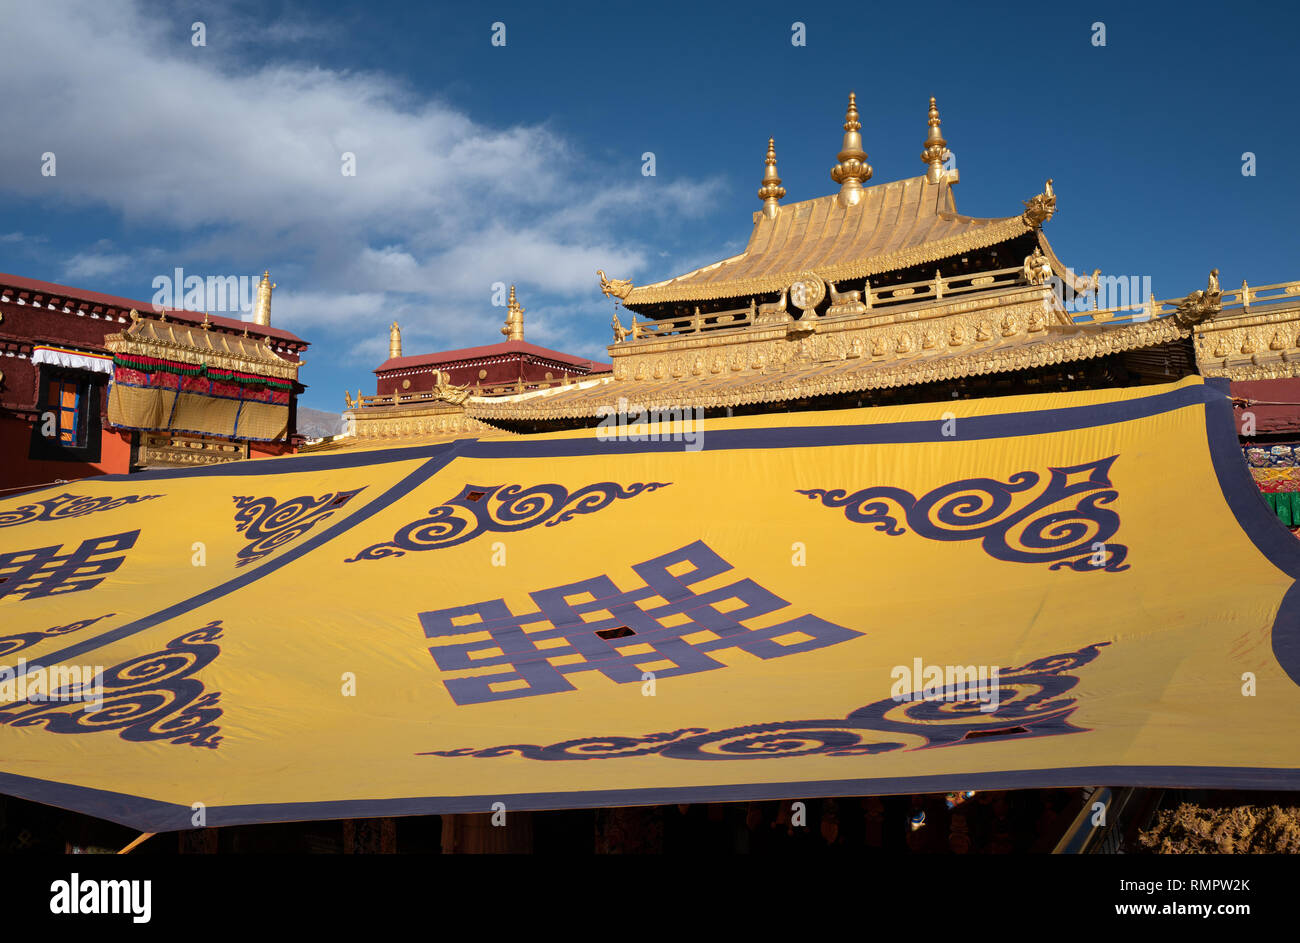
(877, 293)
(93, 384)
(424, 394)
(512, 365)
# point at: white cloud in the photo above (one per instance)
(90, 265)
(99, 260)
(304, 311)
(22, 238)
(241, 163)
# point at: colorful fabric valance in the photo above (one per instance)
(73, 359)
(203, 402)
(157, 365)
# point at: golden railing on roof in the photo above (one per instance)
(1241, 299)
(896, 298)
(397, 399)
(426, 397)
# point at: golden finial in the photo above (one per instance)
(394, 342)
(262, 314)
(207, 321)
(936, 151)
(771, 191)
(514, 329)
(852, 170)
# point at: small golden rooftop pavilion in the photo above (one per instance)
(876, 293)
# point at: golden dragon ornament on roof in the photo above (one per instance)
(614, 287)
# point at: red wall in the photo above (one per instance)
(16, 471)
(467, 374)
(1269, 419)
(269, 449)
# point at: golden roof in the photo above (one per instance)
(1007, 325)
(895, 225)
(169, 340)
(393, 427)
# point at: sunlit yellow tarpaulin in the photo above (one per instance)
(562, 621)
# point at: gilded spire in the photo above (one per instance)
(936, 150)
(394, 342)
(514, 329)
(262, 313)
(852, 170)
(771, 191)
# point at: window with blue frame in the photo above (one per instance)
(67, 426)
(66, 400)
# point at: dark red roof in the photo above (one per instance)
(145, 308)
(491, 350)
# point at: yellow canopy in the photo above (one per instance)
(791, 606)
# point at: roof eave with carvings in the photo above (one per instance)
(754, 386)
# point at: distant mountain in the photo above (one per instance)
(317, 423)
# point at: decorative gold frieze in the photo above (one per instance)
(376, 422)
(954, 321)
(818, 365)
(1248, 342)
(177, 450)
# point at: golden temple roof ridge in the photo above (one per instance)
(936, 149)
(895, 225)
(861, 231)
(852, 170)
(771, 191)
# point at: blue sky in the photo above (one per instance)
(479, 164)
